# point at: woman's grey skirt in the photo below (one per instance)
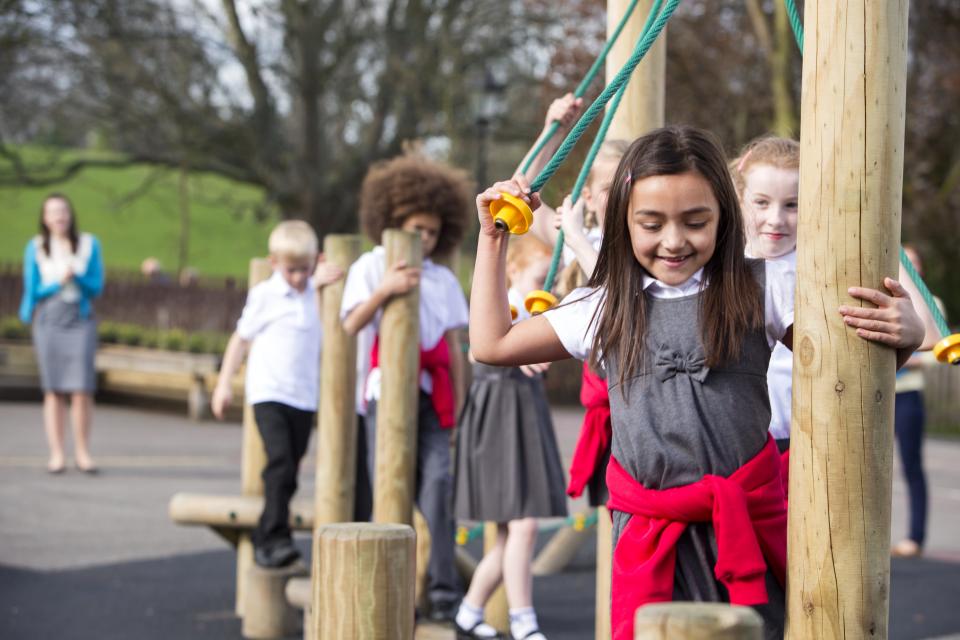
(65, 345)
(507, 462)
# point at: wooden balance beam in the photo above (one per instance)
(231, 515)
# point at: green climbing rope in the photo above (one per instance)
(795, 22)
(584, 84)
(643, 45)
(592, 155)
(904, 259)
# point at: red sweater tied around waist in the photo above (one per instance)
(595, 434)
(749, 517)
(436, 362)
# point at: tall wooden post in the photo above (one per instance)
(337, 422)
(396, 452)
(253, 458)
(641, 110)
(367, 577)
(642, 107)
(337, 425)
(851, 173)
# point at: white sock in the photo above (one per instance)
(470, 618)
(523, 622)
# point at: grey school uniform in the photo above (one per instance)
(65, 345)
(678, 421)
(507, 461)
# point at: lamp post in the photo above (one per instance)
(489, 107)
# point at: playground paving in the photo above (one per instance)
(97, 557)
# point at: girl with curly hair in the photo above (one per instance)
(414, 194)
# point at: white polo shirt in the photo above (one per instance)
(442, 307)
(284, 326)
(573, 323)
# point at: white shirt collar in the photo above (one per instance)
(654, 287)
(283, 288)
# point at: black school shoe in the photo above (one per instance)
(443, 612)
(471, 634)
(277, 555)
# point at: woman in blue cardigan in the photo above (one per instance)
(62, 273)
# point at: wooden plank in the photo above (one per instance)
(232, 511)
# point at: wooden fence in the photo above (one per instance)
(210, 305)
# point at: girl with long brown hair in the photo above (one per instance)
(682, 324)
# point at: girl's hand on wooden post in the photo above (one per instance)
(519, 186)
(400, 279)
(894, 322)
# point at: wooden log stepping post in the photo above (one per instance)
(696, 621)
(366, 574)
(851, 179)
(396, 446)
(267, 615)
(253, 458)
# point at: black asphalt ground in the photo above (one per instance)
(96, 558)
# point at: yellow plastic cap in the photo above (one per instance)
(511, 213)
(513, 312)
(948, 349)
(537, 302)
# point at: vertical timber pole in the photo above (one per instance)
(253, 458)
(851, 176)
(337, 425)
(337, 420)
(641, 110)
(396, 446)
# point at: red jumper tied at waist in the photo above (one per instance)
(436, 362)
(749, 517)
(595, 433)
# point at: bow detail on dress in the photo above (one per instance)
(669, 362)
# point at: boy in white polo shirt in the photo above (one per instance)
(281, 321)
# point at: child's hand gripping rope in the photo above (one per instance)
(500, 193)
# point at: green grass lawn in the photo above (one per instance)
(135, 213)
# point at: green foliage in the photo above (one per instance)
(136, 336)
(12, 329)
(135, 212)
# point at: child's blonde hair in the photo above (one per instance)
(523, 250)
(782, 153)
(293, 239)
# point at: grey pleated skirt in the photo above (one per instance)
(507, 462)
(65, 345)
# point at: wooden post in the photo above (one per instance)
(366, 574)
(696, 621)
(602, 628)
(496, 612)
(252, 458)
(642, 107)
(641, 110)
(851, 175)
(396, 453)
(337, 425)
(267, 614)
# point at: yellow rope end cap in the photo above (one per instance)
(948, 349)
(538, 301)
(512, 214)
